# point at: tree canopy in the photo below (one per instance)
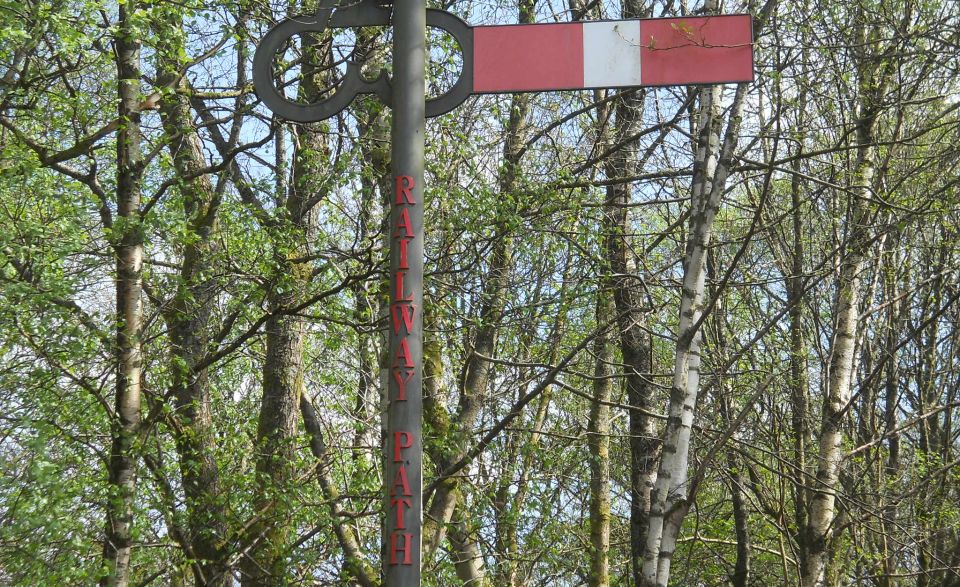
(703, 335)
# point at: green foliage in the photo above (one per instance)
(231, 246)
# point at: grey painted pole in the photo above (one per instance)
(403, 455)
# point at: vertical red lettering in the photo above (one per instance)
(399, 502)
(401, 440)
(405, 184)
(403, 313)
(403, 253)
(402, 384)
(404, 224)
(403, 354)
(399, 296)
(406, 548)
(400, 480)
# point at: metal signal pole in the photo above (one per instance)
(496, 59)
(404, 448)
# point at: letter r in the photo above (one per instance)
(405, 184)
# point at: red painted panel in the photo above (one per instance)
(701, 50)
(524, 58)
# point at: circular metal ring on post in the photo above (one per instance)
(363, 13)
(463, 34)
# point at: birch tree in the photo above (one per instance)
(167, 243)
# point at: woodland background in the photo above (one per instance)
(696, 335)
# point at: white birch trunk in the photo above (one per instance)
(683, 395)
(711, 168)
(875, 76)
(837, 395)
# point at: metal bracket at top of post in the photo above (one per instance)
(332, 14)
(543, 57)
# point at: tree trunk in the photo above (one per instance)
(725, 399)
(836, 397)
(891, 468)
(474, 388)
(282, 373)
(188, 319)
(283, 385)
(669, 503)
(598, 442)
(264, 564)
(468, 560)
(475, 377)
(438, 426)
(118, 541)
(355, 563)
(628, 289)
(799, 384)
(820, 525)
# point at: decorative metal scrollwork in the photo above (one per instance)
(347, 14)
